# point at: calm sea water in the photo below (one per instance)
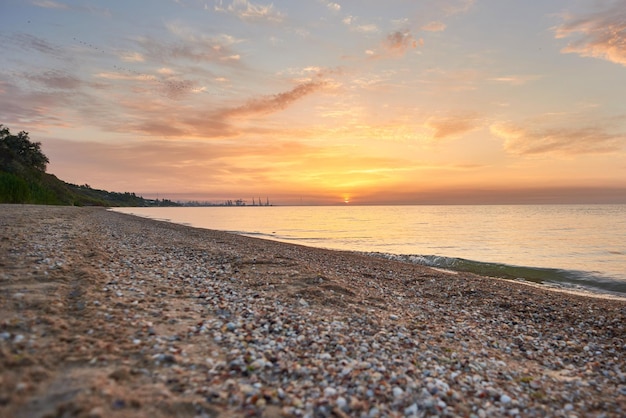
(568, 245)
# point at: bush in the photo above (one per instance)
(13, 189)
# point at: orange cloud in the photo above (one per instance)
(220, 168)
(600, 35)
(557, 140)
(452, 126)
(515, 80)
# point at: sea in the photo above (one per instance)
(575, 247)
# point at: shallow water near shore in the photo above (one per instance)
(567, 245)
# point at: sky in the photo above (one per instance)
(324, 102)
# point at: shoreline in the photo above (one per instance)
(105, 314)
(588, 272)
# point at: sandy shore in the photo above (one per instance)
(104, 314)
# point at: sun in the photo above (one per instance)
(346, 199)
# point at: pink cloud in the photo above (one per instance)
(396, 44)
(274, 103)
(598, 35)
(55, 80)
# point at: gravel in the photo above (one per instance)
(104, 313)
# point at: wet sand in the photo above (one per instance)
(105, 314)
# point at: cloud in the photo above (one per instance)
(367, 28)
(434, 27)
(30, 42)
(351, 22)
(454, 80)
(48, 4)
(158, 118)
(515, 80)
(186, 165)
(199, 50)
(251, 12)
(274, 103)
(598, 35)
(395, 44)
(31, 108)
(451, 7)
(183, 32)
(559, 140)
(400, 42)
(453, 126)
(132, 57)
(55, 80)
(334, 7)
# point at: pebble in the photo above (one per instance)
(330, 392)
(463, 348)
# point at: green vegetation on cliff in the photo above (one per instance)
(23, 179)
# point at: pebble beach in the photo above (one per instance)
(104, 314)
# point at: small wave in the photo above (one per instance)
(566, 278)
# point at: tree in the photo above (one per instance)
(19, 149)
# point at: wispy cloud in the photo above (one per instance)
(30, 42)
(49, 4)
(557, 139)
(190, 165)
(452, 80)
(132, 57)
(271, 104)
(451, 7)
(252, 12)
(453, 126)
(353, 22)
(160, 118)
(434, 26)
(599, 35)
(55, 80)
(366, 28)
(32, 108)
(515, 80)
